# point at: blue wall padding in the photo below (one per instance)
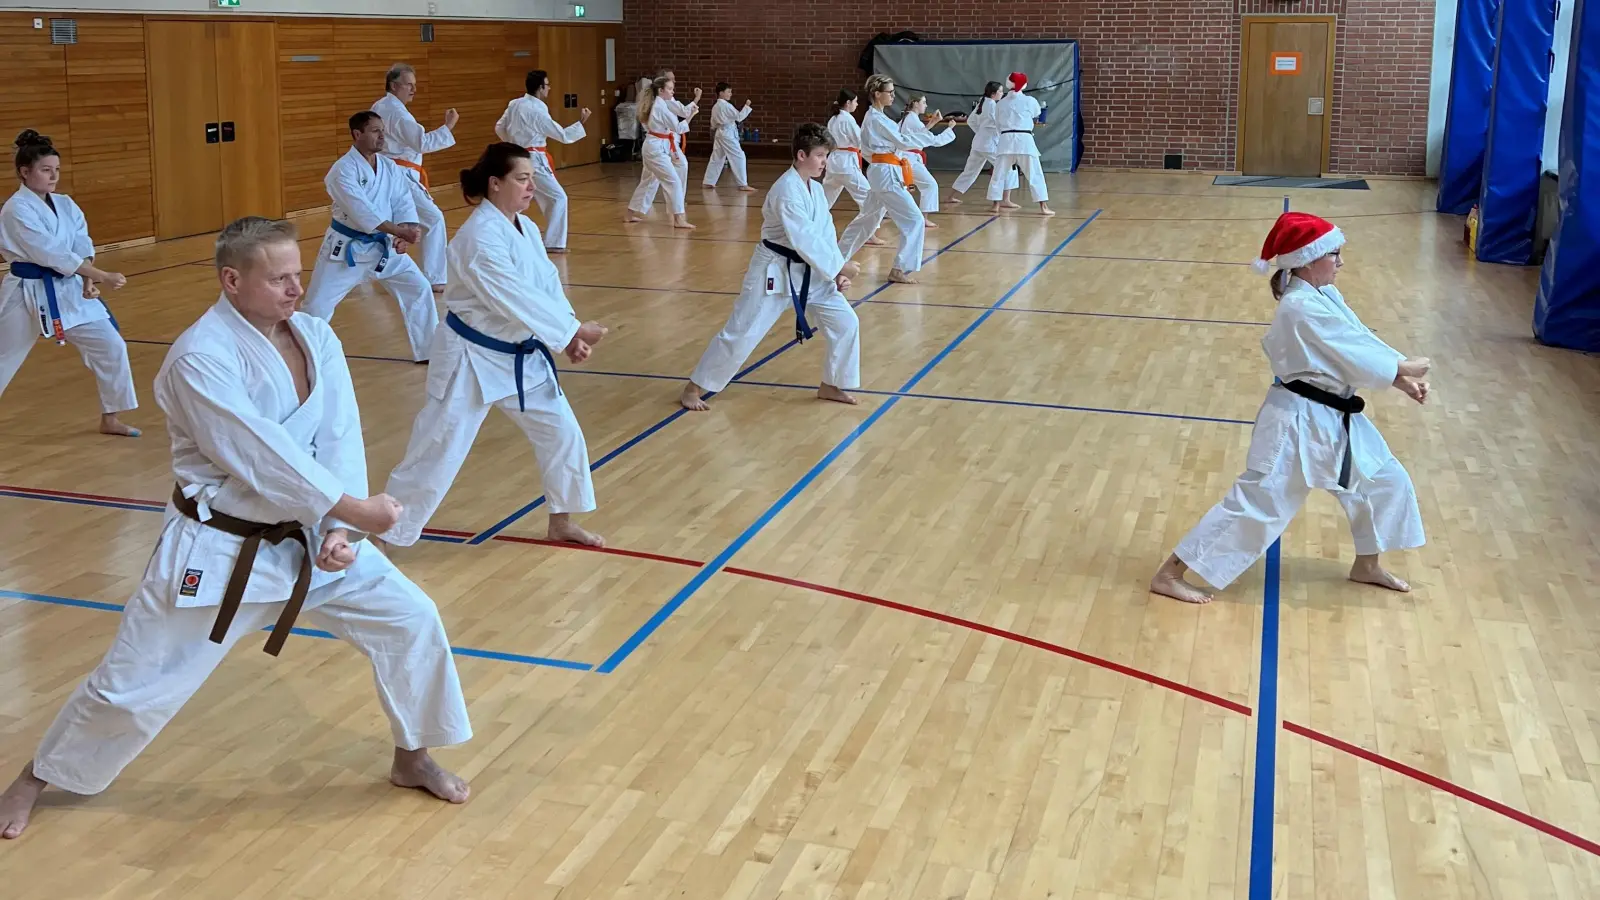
(1466, 122)
(1567, 312)
(1508, 203)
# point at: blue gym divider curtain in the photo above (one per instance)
(1567, 312)
(1508, 204)
(1466, 122)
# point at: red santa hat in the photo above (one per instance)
(1297, 239)
(1017, 80)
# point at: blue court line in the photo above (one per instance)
(1266, 719)
(678, 413)
(316, 633)
(721, 560)
(80, 501)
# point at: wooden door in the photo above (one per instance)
(1287, 94)
(247, 108)
(555, 57)
(185, 133)
(587, 59)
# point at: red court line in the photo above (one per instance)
(1433, 781)
(1013, 636)
(956, 621)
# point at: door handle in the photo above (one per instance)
(227, 132)
(211, 132)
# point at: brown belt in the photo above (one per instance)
(253, 533)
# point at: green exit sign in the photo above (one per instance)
(225, 4)
(578, 11)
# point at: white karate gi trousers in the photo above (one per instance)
(443, 434)
(98, 343)
(552, 200)
(332, 280)
(162, 654)
(1382, 509)
(1011, 162)
(849, 177)
(435, 239)
(888, 196)
(754, 313)
(927, 186)
(663, 168)
(975, 163)
(726, 151)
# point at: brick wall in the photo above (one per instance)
(1159, 76)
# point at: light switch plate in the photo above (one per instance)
(1314, 106)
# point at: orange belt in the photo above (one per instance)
(922, 156)
(889, 159)
(547, 157)
(411, 165)
(672, 141)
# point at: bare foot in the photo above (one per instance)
(955, 200)
(929, 223)
(899, 277)
(747, 189)
(1169, 583)
(1009, 205)
(555, 249)
(876, 241)
(829, 392)
(1367, 571)
(1045, 210)
(438, 289)
(994, 210)
(564, 531)
(416, 769)
(709, 187)
(682, 222)
(110, 424)
(632, 218)
(690, 398)
(16, 804)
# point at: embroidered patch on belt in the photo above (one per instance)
(191, 583)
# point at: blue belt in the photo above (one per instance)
(50, 318)
(359, 237)
(518, 351)
(802, 328)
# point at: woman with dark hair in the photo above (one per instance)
(507, 318)
(53, 287)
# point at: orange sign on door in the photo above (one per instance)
(1285, 63)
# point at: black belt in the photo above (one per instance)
(1018, 131)
(253, 533)
(1351, 405)
(802, 328)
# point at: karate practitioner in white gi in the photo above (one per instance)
(1015, 117)
(985, 144)
(725, 147)
(51, 288)
(527, 123)
(666, 162)
(268, 459)
(844, 163)
(888, 175)
(508, 317)
(374, 221)
(405, 141)
(797, 267)
(1320, 355)
(915, 129)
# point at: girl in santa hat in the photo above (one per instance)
(1310, 432)
(1015, 115)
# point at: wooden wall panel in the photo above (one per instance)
(521, 56)
(465, 71)
(109, 113)
(310, 124)
(37, 70)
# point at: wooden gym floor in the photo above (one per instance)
(901, 650)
